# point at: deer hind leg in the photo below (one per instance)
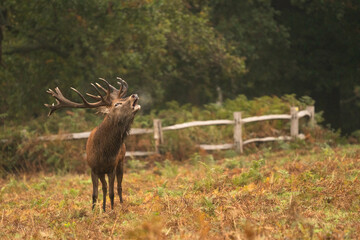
(111, 177)
(95, 182)
(104, 189)
(119, 177)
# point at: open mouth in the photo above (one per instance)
(135, 102)
(135, 105)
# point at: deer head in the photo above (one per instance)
(114, 103)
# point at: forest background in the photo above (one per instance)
(191, 51)
(188, 60)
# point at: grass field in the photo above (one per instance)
(302, 194)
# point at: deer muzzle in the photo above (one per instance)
(135, 106)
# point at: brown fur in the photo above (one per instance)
(105, 148)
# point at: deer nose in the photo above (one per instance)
(135, 96)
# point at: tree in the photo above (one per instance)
(164, 50)
(303, 47)
(325, 42)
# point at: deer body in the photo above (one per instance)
(105, 151)
(105, 148)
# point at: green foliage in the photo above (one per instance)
(296, 46)
(211, 178)
(356, 135)
(208, 206)
(167, 168)
(195, 158)
(135, 165)
(233, 163)
(20, 154)
(256, 34)
(252, 175)
(154, 45)
(190, 51)
(23, 151)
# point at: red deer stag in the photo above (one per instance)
(105, 148)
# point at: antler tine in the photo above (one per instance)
(108, 84)
(81, 96)
(120, 89)
(123, 87)
(108, 91)
(52, 107)
(93, 96)
(102, 98)
(123, 81)
(57, 94)
(102, 88)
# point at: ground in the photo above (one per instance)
(302, 194)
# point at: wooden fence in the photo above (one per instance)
(238, 122)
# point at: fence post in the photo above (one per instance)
(238, 142)
(311, 110)
(158, 134)
(294, 129)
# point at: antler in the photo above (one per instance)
(111, 94)
(123, 87)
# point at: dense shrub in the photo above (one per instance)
(23, 151)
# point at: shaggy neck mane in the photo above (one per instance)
(111, 134)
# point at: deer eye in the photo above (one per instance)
(118, 104)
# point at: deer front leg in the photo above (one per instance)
(104, 188)
(111, 177)
(120, 170)
(119, 177)
(95, 182)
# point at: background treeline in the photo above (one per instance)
(191, 51)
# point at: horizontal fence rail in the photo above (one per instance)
(266, 117)
(227, 146)
(198, 124)
(238, 123)
(138, 154)
(84, 135)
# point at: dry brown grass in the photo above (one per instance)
(288, 194)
